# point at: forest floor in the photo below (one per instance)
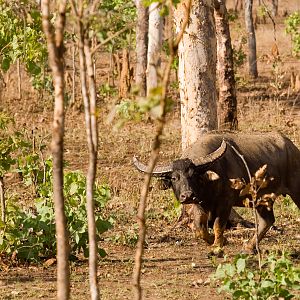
(176, 265)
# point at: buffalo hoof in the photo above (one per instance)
(249, 250)
(210, 239)
(216, 252)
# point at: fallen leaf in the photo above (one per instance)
(49, 262)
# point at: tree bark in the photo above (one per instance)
(56, 50)
(154, 46)
(197, 72)
(227, 104)
(251, 39)
(125, 80)
(141, 47)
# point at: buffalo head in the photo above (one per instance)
(187, 177)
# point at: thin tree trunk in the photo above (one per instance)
(111, 75)
(73, 74)
(227, 104)
(2, 199)
(238, 5)
(197, 72)
(173, 45)
(251, 39)
(141, 46)
(274, 8)
(88, 89)
(154, 46)
(19, 80)
(56, 51)
(92, 138)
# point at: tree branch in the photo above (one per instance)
(153, 159)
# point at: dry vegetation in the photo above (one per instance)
(176, 265)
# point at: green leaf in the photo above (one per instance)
(73, 188)
(241, 265)
(240, 294)
(5, 64)
(33, 68)
(102, 226)
(102, 252)
(77, 237)
(267, 284)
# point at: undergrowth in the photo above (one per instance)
(29, 234)
(242, 279)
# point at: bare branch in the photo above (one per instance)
(153, 159)
(129, 26)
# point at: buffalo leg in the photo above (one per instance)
(265, 220)
(236, 219)
(200, 223)
(219, 228)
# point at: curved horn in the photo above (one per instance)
(158, 171)
(212, 156)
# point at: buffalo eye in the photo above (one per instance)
(191, 172)
(174, 177)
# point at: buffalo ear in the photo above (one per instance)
(211, 175)
(164, 183)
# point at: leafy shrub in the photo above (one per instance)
(21, 37)
(276, 279)
(239, 57)
(30, 234)
(292, 28)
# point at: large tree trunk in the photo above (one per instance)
(227, 104)
(154, 46)
(197, 75)
(55, 45)
(251, 39)
(197, 72)
(141, 46)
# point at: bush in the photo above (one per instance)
(30, 234)
(276, 279)
(292, 28)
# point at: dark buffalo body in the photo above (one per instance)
(202, 176)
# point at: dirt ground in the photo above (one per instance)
(176, 265)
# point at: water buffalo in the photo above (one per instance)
(202, 176)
